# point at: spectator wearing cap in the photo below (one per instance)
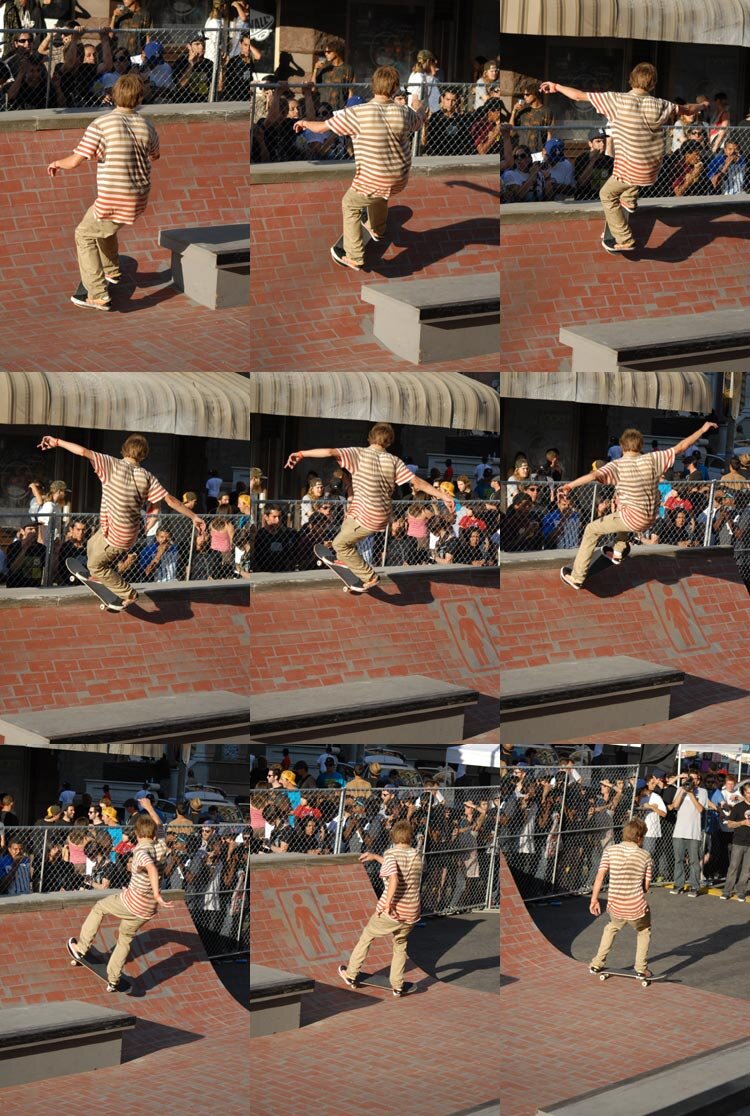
(25, 558)
(193, 73)
(53, 815)
(27, 69)
(304, 779)
(593, 167)
(156, 71)
(560, 169)
(330, 777)
(289, 785)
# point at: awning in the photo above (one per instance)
(418, 398)
(475, 755)
(725, 22)
(662, 391)
(201, 404)
(130, 728)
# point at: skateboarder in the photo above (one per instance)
(637, 121)
(397, 908)
(630, 869)
(124, 145)
(381, 132)
(375, 472)
(126, 488)
(136, 903)
(635, 476)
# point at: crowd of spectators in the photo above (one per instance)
(706, 153)
(421, 531)
(166, 550)
(539, 515)
(66, 64)
(462, 119)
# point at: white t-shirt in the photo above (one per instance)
(688, 824)
(652, 819)
(426, 88)
(562, 173)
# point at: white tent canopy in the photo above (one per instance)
(738, 753)
(474, 755)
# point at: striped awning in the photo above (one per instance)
(202, 404)
(418, 398)
(726, 22)
(665, 390)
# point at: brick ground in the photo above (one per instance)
(549, 1001)
(554, 274)
(625, 611)
(61, 643)
(356, 1051)
(307, 313)
(190, 1038)
(202, 171)
(408, 625)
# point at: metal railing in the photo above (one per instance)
(540, 515)
(550, 825)
(698, 161)
(418, 533)
(178, 65)
(168, 548)
(459, 120)
(211, 866)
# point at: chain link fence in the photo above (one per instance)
(211, 864)
(34, 548)
(542, 515)
(571, 162)
(462, 119)
(418, 533)
(51, 68)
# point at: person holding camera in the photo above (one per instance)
(690, 802)
(630, 869)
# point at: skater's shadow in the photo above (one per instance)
(688, 236)
(637, 572)
(133, 281)
(148, 1036)
(420, 250)
(413, 590)
(178, 611)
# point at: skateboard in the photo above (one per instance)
(608, 240)
(381, 980)
(605, 974)
(96, 963)
(79, 572)
(327, 557)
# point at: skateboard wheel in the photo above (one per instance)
(102, 607)
(75, 964)
(603, 976)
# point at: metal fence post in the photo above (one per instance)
(245, 886)
(44, 860)
(709, 515)
(558, 840)
(339, 821)
(219, 34)
(383, 561)
(592, 516)
(190, 553)
(493, 857)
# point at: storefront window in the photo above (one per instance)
(384, 34)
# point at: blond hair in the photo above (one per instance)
(643, 76)
(381, 434)
(128, 91)
(135, 446)
(631, 440)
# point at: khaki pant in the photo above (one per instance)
(129, 927)
(96, 245)
(346, 550)
(610, 195)
(101, 557)
(642, 927)
(352, 205)
(380, 926)
(612, 524)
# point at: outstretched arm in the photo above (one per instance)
(686, 443)
(178, 506)
(50, 442)
(300, 455)
(588, 478)
(566, 90)
(69, 163)
(422, 486)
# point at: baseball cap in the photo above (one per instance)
(59, 486)
(186, 496)
(597, 133)
(554, 145)
(153, 50)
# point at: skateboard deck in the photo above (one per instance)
(79, 572)
(96, 963)
(605, 974)
(608, 239)
(327, 557)
(366, 236)
(382, 980)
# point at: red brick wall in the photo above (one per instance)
(72, 653)
(308, 313)
(554, 273)
(407, 627)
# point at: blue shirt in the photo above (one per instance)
(21, 882)
(330, 780)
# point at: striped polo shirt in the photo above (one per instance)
(123, 143)
(375, 473)
(637, 120)
(381, 137)
(630, 870)
(138, 896)
(125, 489)
(406, 863)
(636, 481)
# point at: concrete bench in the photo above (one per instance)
(211, 264)
(275, 1000)
(581, 697)
(54, 1039)
(424, 713)
(437, 319)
